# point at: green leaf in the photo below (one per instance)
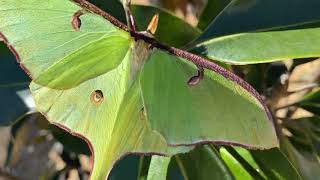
(304, 159)
(212, 9)
(311, 102)
(302, 149)
(263, 47)
(158, 168)
(244, 158)
(247, 161)
(239, 172)
(201, 112)
(171, 29)
(268, 164)
(306, 132)
(275, 165)
(261, 15)
(203, 163)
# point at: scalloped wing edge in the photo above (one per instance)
(191, 57)
(15, 53)
(198, 60)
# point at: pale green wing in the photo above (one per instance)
(216, 110)
(114, 126)
(54, 53)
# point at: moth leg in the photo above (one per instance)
(76, 21)
(197, 78)
(130, 19)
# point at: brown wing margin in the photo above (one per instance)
(94, 9)
(205, 63)
(197, 60)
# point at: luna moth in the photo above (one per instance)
(124, 92)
